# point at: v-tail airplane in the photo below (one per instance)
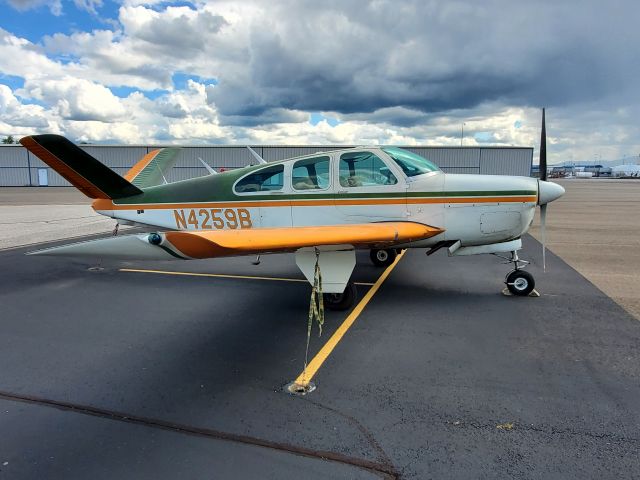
(320, 207)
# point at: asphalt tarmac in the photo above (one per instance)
(115, 374)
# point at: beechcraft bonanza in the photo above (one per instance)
(322, 207)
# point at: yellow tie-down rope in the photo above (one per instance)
(316, 307)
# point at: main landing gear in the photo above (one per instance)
(341, 301)
(383, 257)
(518, 281)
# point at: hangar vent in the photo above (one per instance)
(18, 167)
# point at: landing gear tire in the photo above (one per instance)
(341, 301)
(383, 258)
(520, 283)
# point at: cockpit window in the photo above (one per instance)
(268, 179)
(411, 163)
(364, 169)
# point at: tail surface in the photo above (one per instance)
(84, 172)
(151, 169)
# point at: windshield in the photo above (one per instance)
(411, 164)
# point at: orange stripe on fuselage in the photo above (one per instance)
(108, 205)
(142, 163)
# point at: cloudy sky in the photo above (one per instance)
(308, 71)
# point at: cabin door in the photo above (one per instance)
(367, 189)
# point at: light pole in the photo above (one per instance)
(462, 134)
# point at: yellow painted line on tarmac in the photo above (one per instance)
(314, 365)
(221, 275)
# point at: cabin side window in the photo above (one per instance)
(311, 174)
(364, 169)
(268, 179)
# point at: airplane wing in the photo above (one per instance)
(222, 243)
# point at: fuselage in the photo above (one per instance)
(355, 186)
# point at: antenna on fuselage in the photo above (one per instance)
(256, 156)
(211, 170)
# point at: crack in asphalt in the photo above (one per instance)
(384, 458)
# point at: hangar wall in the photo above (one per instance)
(18, 167)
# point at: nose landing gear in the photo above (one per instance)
(519, 282)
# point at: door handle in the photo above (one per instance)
(343, 191)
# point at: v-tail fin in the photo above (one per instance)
(151, 169)
(84, 172)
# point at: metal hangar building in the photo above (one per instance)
(18, 167)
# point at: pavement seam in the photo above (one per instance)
(385, 471)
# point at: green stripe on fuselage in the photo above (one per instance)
(219, 188)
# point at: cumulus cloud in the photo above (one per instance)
(177, 30)
(77, 99)
(19, 116)
(90, 6)
(55, 6)
(405, 71)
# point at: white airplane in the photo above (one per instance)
(322, 207)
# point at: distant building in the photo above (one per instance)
(626, 171)
(560, 171)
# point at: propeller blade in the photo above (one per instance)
(543, 150)
(543, 233)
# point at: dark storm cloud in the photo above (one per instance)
(432, 57)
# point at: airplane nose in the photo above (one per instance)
(548, 192)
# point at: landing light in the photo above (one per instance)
(154, 239)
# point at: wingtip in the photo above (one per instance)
(28, 140)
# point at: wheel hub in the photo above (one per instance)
(334, 297)
(520, 283)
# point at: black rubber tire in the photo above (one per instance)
(341, 301)
(383, 258)
(520, 283)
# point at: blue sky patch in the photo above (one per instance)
(124, 92)
(316, 117)
(180, 80)
(483, 137)
(11, 81)
(35, 23)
